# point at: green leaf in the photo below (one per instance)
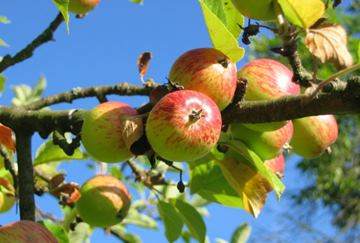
(49, 152)
(25, 94)
(81, 233)
(137, 1)
(127, 237)
(141, 220)
(4, 20)
(302, 13)
(192, 219)
(241, 234)
(221, 37)
(39, 88)
(57, 230)
(2, 82)
(358, 52)
(208, 181)
(63, 6)
(172, 219)
(228, 14)
(254, 161)
(3, 43)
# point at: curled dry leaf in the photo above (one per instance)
(6, 137)
(56, 180)
(68, 193)
(133, 129)
(328, 43)
(143, 63)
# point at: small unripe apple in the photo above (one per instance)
(208, 71)
(277, 165)
(82, 6)
(184, 126)
(7, 190)
(108, 130)
(256, 9)
(267, 79)
(313, 135)
(265, 144)
(25, 231)
(104, 201)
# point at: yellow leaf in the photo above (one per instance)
(302, 13)
(247, 182)
(328, 43)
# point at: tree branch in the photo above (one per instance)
(124, 89)
(27, 52)
(26, 175)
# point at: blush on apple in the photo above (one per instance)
(267, 79)
(184, 126)
(313, 135)
(208, 71)
(82, 6)
(277, 165)
(104, 201)
(265, 144)
(108, 131)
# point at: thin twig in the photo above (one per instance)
(8, 165)
(27, 52)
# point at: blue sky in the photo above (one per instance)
(102, 49)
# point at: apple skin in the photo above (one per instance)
(6, 137)
(276, 165)
(208, 71)
(265, 144)
(82, 6)
(313, 135)
(25, 231)
(102, 132)
(173, 132)
(7, 191)
(256, 9)
(104, 201)
(267, 79)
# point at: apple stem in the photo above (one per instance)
(224, 62)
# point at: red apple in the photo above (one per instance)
(277, 165)
(109, 129)
(267, 79)
(265, 144)
(25, 231)
(208, 71)
(104, 201)
(313, 135)
(82, 6)
(184, 126)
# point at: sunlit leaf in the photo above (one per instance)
(192, 218)
(57, 230)
(302, 13)
(24, 94)
(241, 234)
(139, 219)
(4, 20)
(2, 82)
(63, 6)
(222, 39)
(49, 152)
(3, 43)
(81, 233)
(172, 219)
(126, 236)
(328, 42)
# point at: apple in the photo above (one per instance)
(276, 165)
(256, 9)
(267, 79)
(184, 126)
(109, 129)
(82, 6)
(313, 135)
(7, 190)
(6, 137)
(104, 201)
(208, 71)
(265, 144)
(25, 231)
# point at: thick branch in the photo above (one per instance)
(27, 52)
(124, 89)
(26, 175)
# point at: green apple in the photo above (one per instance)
(208, 71)
(25, 231)
(265, 144)
(82, 6)
(104, 201)
(256, 9)
(108, 130)
(313, 135)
